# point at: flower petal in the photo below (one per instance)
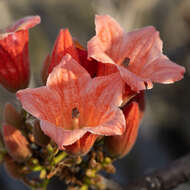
(106, 45)
(61, 136)
(42, 103)
(112, 122)
(162, 70)
(70, 75)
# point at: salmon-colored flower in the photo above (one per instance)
(73, 105)
(119, 146)
(64, 44)
(14, 62)
(136, 55)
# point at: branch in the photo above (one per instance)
(168, 178)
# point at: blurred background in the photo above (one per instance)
(165, 130)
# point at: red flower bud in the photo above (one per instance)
(119, 146)
(15, 143)
(12, 116)
(82, 146)
(14, 62)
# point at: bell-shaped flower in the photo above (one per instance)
(136, 55)
(65, 44)
(119, 146)
(14, 62)
(73, 107)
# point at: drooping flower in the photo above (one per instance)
(64, 44)
(14, 62)
(119, 146)
(73, 108)
(136, 55)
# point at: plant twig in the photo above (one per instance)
(168, 178)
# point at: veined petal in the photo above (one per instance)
(61, 136)
(41, 102)
(105, 46)
(105, 90)
(162, 70)
(111, 122)
(68, 78)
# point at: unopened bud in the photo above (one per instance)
(13, 168)
(119, 146)
(15, 143)
(12, 116)
(39, 137)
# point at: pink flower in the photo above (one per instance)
(136, 55)
(73, 106)
(14, 62)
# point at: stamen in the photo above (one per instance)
(75, 113)
(126, 62)
(75, 118)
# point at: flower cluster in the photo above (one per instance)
(90, 95)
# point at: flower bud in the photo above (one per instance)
(12, 167)
(39, 137)
(12, 116)
(82, 146)
(14, 62)
(15, 143)
(119, 146)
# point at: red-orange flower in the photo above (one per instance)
(73, 106)
(64, 44)
(119, 146)
(14, 62)
(136, 55)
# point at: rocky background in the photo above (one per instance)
(165, 130)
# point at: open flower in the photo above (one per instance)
(14, 62)
(73, 106)
(136, 55)
(64, 44)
